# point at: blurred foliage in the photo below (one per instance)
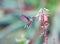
(33, 3)
(51, 5)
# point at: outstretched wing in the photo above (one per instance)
(26, 19)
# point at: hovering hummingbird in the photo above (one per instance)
(26, 19)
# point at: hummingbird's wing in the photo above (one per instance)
(26, 19)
